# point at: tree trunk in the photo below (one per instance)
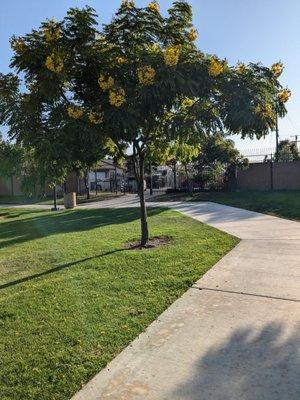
(96, 187)
(87, 186)
(12, 185)
(175, 177)
(188, 180)
(143, 209)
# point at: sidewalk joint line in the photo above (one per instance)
(246, 294)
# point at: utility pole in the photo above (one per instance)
(277, 135)
(296, 139)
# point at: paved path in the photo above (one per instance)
(235, 335)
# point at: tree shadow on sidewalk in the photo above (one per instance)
(249, 366)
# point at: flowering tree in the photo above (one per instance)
(140, 82)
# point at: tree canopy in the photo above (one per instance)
(138, 81)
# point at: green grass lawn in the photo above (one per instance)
(285, 204)
(23, 200)
(71, 297)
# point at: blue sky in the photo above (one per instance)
(245, 30)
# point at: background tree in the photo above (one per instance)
(127, 82)
(11, 160)
(184, 153)
(288, 151)
(217, 159)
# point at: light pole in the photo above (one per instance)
(54, 208)
(151, 180)
(277, 131)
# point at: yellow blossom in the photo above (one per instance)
(52, 32)
(215, 67)
(258, 109)
(128, 3)
(121, 60)
(171, 56)
(241, 68)
(268, 111)
(192, 35)
(117, 97)
(265, 111)
(18, 45)
(106, 83)
(153, 6)
(146, 75)
(187, 102)
(96, 117)
(54, 63)
(277, 69)
(284, 95)
(75, 112)
(154, 48)
(169, 115)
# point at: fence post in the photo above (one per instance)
(272, 172)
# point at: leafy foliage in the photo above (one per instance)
(138, 81)
(288, 151)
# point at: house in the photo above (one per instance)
(108, 176)
(163, 177)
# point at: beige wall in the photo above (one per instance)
(72, 185)
(6, 187)
(285, 176)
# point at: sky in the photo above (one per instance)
(239, 30)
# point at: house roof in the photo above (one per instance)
(109, 165)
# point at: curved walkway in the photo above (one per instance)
(235, 335)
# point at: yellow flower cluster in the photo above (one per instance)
(75, 112)
(52, 32)
(284, 95)
(171, 56)
(187, 102)
(116, 97)
(154, 48)
(146, 75)
(192, 35)
(106, 83)
(121, 60)
(128, 3)
(215, 67)
(95, 117)
(18, 45)
(277, 69)
(258, 109)
(153, 6)
(266, 111)
(54, 63)
(241, 68)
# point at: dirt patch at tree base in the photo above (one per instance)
(153, 242)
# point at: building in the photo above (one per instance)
(108, 176)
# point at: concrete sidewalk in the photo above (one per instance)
(235, 335)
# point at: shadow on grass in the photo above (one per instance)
(248, 365)
(56, 269)
(16, 231)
